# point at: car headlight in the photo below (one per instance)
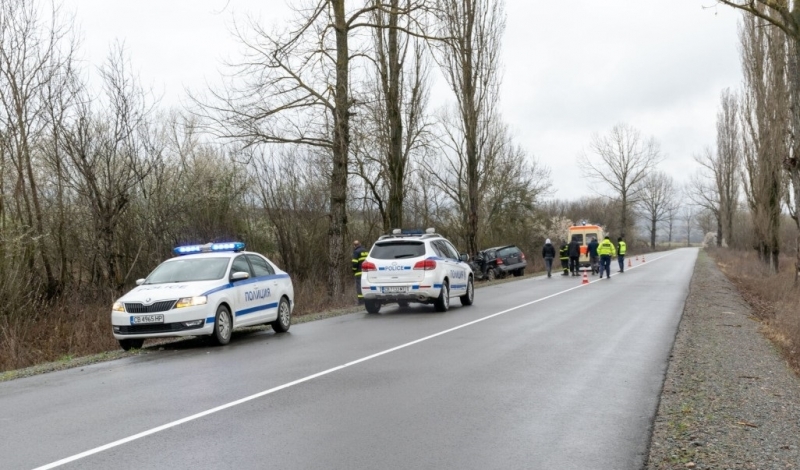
(118, 307)
(191, 301)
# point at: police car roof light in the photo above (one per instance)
(430, 230)
(208, 247)
(396, 231)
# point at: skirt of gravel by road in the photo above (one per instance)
(729, 400)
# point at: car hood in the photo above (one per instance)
(148, 293)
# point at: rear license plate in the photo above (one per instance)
(143, 319)
(394, 290)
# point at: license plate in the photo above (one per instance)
(143, 319)
(394, 290)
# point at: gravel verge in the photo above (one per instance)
(730, 401)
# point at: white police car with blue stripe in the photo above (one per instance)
(206, 290)
(409, 267)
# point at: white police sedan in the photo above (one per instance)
(206, 290)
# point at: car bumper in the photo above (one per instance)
(190, 321)
(414, 293)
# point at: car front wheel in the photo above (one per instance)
(223, 326)
(491, 275)
(469, 297)
(128, 344)
(442, 302)
(284, 320)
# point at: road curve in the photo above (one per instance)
(539, 373)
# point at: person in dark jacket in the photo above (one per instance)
(359, 255)
(548, 253)
(574, 256)
(594, 258)
(563, 254)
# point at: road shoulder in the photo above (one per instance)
(729, 398)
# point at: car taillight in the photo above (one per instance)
(499, 260)
(368, 266)
(426, 265)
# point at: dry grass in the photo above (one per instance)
(775, 299)
(76, 327)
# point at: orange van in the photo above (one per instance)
(584, 234)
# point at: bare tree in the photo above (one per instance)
(656, 197)
(469, 56)
(705, 189)
(36, 49)
(785, 15)
(671, 217)
(621, 160)
(689, 218)
(393, 129)
(296, 88)
(766, 119)
(727, 164)
(110, 156)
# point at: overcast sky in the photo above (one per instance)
(568, 72)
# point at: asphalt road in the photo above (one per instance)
(537, 374)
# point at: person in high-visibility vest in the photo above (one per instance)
(621, 250)
(359, 255)
(563, 254)
(606, 250)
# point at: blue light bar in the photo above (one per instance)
(233, 246)
(208, 247)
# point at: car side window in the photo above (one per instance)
(240, 264)
(452, 253)
(437, 248)
(260, 266)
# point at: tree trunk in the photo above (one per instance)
(653, 234)
(337, 232)
(392, 90)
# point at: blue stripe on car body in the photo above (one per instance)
(256, 309)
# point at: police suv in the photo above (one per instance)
(415, 267)
(206, 290)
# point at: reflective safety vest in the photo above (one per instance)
(623, 248)
(359, 255)
(563, 252)
(606, 248)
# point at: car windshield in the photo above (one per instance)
(398, 249)
(187, 270)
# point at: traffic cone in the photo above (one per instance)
(637, 257)
(629, 262)
(585, 278)
(642, 258)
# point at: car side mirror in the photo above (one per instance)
(239, 275)
(464, 257)
(139, 282)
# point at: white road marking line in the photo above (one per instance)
(193, 417)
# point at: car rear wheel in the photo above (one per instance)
(223, 326)
(442, 302)
(490, 274)
(128, 344)
(519, 272)
(284, 320)
(469, 297)
(372, 306)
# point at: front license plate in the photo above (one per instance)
(394, 290)
(143, 319)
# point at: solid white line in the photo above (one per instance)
(193, 417)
